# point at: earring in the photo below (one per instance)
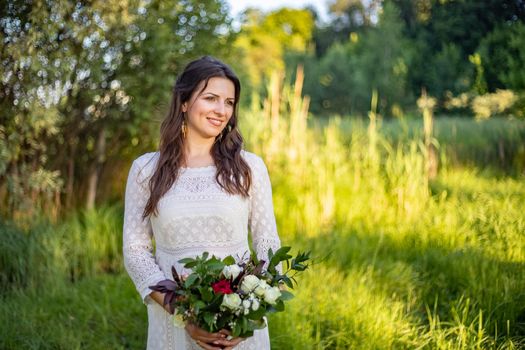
(183, 129)
(218, 138)
(226, 130)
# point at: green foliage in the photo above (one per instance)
(84, 245)
(95, 74)
(396, 245)
(400, 47)
(265, 37)
(502, 52)
(405, 264)
(433, 25)
(97, 313)
(346, 75)
(495, 145)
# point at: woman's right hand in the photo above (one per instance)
(159, 298)
(210, 341)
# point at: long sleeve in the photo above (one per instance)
(139, 260)
(262, 217)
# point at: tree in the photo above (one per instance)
(264, 38)
(78, 76)
(446, 34)
(502, 55)
(377, 59)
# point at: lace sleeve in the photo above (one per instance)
(262, 218)
(137, 245)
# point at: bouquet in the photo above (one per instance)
(226, 294)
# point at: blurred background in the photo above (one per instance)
(393, 130)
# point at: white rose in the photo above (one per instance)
(178, 321)
(259, 290)
(232, 301)
(271, 295)
(249, 283)
(231, 271)
(255, 304)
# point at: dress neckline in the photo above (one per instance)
(199, 169)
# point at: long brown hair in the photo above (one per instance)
(233, 173)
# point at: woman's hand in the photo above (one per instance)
(233, 341)
(159, 298)
(212, 341)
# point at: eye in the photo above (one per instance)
(230, 103)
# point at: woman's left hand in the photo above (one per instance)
(233, 342)
(212, 341)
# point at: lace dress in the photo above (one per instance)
(194, 216)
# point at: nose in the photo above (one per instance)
(220, 109)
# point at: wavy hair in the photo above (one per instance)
(233, 173)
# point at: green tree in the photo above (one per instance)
(82, 84)
(265, 37)
(502, 55)
(445, 34)
(346, 17)
(377, 59)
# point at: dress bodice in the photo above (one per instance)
(193, 216)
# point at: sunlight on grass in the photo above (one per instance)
(402, 262)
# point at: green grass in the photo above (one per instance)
(100, 312)
(452, 279)
(497, 144)
(402, 261)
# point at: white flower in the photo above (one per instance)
(178, 321)
(232, 301)
(271, 295)
(246, 304)
(259, 290)
(246, 311)
(231, 271)
(255, 304)
(249, 283)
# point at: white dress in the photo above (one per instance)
(194, 216)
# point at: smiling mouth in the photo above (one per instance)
(216, 122)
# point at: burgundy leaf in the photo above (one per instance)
(158, 288)
(175, 275)
(170, 298)
(169, 284)
(258, 269)
(164, 286)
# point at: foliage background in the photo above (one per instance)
(394, 134)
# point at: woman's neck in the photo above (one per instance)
(197, 153)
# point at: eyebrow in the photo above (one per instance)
(211, 93)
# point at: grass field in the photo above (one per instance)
(402, 261)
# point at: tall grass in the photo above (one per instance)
(402, 262)
(84, 245)
(496, 143)
(409, 263)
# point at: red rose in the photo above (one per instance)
(222, 287)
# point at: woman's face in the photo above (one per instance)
(209, 111)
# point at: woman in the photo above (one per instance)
(199, 192)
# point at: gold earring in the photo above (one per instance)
(226, 130)
(218, 138)
(183, 129)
